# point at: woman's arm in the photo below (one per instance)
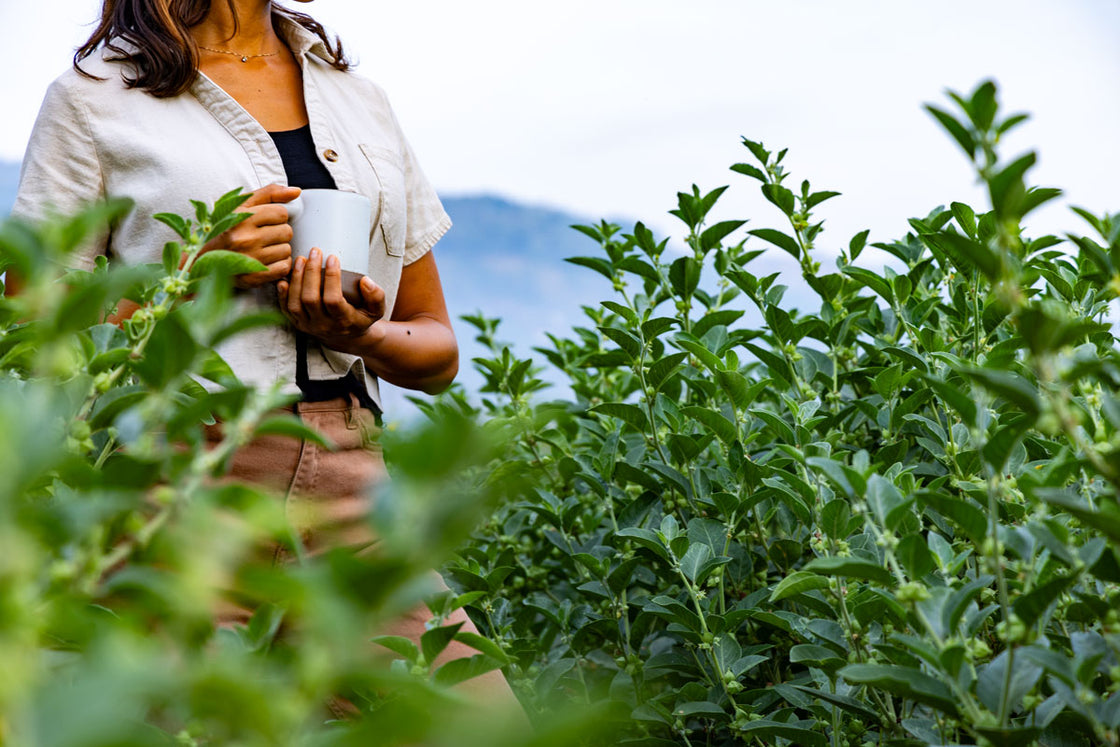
(415, 349)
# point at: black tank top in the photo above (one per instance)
(304, 170)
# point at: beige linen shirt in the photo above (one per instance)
(98, 138)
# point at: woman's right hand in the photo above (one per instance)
(265, 235)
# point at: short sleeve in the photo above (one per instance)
(61, 172)
(427, 220)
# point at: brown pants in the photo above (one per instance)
(327, 496)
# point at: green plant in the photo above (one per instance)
(889, 520)
(119, 539)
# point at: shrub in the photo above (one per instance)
(889, 520)
(119, 539)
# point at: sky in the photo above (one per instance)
(607, 108)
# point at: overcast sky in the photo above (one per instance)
(609, 107)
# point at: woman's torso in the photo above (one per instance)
(99, 138)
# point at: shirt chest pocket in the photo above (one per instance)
(392, 209)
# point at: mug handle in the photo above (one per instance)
(295, 208)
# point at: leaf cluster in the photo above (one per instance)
(888, 519)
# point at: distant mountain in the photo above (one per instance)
(9, 181)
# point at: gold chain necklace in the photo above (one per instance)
(244, 57)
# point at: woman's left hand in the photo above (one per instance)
(314, 304)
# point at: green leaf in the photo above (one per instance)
(725, 317)
(631, 414)
(222, 262)
(713, 421)
(797, 583)
(434, 641)
(399, 645)
(176, 223)
(1008, 385)
(816, 198)
(851, 567)
(958, 601)
(780, 196)
(835, 518)
(172, 254)
(707, 358)
(870, 280)
(903, 682)
(663, 368)
(966, 218)
(752, 171)
(766, 731)
(816, 656)
(953, 396)
(914, 554)
(684, 276)
(856, 245)
(483, 645)
(965, 253)
(1033, 605)
(625, 340)
(623, 311)
(1105, 520)
(1007, 189)
(968, 516)
(712, 236)
(884, 498)
(959, 132)
(694, 559)
(598, 264)
(991, 678)
(739, 388)
(229, 202)
(777, 238)
(461, 670)
(851, 705)
(646, 539)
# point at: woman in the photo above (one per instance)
(172, 100)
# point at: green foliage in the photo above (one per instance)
(889, 520)
(120, 540)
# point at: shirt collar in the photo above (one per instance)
(301, 41)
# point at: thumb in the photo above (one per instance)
(374, 296)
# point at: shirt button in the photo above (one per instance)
(330, 154)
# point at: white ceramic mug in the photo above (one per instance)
(337, 223)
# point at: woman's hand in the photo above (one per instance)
(264, 235)
(313, 302)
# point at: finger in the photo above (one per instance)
(295, 290)
(333, 302)
(271, 193)
(274, 272)
(267, 215)
(311, 293)
(271, 254)
(374, 296)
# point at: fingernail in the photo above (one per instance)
(367, 284)
(332, 262)
(299, 264)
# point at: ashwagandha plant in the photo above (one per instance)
(889, 519)
(120, 539)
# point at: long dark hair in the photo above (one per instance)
(162, 52)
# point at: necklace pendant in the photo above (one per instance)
(244, 58)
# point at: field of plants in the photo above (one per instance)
(888, 520)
